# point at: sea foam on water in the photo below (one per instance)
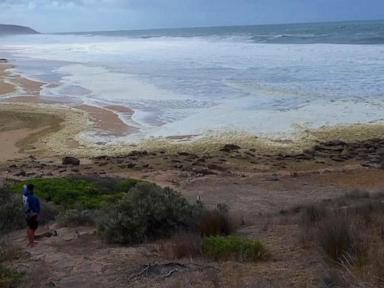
(193, 82)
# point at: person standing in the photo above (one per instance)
(32, 211)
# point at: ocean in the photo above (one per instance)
(269, 80)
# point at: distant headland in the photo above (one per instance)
(15, 30)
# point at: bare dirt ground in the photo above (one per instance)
(78, 258)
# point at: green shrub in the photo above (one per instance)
(89, 193)
(9, 278)
(147, 212)
(233, 247)
(11, 211)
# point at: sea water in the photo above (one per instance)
(270, 80)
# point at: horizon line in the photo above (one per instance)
(213, 26)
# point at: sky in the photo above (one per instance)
(98, 15)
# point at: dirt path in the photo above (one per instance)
(74, 258)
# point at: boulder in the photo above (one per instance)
(138, 153)
(230, 148)
(71, 161)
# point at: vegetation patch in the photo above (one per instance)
(216, 222)
(348, 231)
(148, 212)
(11, 211)
(8, 277)
(233, 248)
(77, 217)
(87, 193)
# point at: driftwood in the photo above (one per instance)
(166, 270)
(161, 270)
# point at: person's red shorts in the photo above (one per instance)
(32, 222)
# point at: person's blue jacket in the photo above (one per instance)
(33, 204)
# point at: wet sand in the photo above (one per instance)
(108, 120)
(5, 87)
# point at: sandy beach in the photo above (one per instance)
(30, 124)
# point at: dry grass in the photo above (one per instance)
(181, 245)
(349, 232)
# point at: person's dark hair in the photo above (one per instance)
(30, 188)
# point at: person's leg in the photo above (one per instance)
(32, 224)
(31, 236)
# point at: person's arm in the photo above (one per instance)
(38, 205)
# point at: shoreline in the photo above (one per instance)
(24, 95)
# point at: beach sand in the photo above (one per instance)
(31, 124)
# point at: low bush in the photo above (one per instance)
(312, 214)
(11, 211)
(340, 240)
(77, 217)
(147, 212)
(216, 222)
(233, 247)
(182, 245)
(8, 277)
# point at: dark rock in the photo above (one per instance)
(337, 159)
(103, 157)
(131, 165)
(230, 148)
(203, 171)
(3, 60)
(380, 151)
(216, 167)
(71, 161)
(138, 153)
(273, 177)
(21, 174)
(335, 143)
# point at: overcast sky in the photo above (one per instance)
(86, 15)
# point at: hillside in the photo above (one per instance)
(15, 30)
